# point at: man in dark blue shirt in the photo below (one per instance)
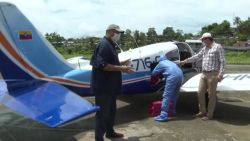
(107, 81)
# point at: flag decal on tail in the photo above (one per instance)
(25, 35)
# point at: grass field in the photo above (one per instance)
(240, 58)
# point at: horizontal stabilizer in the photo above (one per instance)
(230, 82)
(49, 103)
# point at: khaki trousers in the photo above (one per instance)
(208, 83)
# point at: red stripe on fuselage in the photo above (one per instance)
(32, 70)
(14, 54)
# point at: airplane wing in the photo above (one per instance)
(48, 102)
(231, 82)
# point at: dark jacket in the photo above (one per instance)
(105, 82)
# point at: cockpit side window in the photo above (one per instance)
(184, 51)
(173, 55)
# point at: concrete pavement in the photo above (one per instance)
(231, 121)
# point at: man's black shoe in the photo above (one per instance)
(114, 135)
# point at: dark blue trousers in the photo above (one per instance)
(105, 117)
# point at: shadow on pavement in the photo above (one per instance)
(232, 114)
(14, 127)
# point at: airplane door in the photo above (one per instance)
(173, 55)
(189, 69)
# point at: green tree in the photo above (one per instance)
(188, 35)
(222, 29)
(244, 28)
(55, 39)
(143, 39)
(178, 35)
(152, 36)
(87, 45)
(127, 40)
(236, 21)
(168, 34)
(137, 37)
(209, 28)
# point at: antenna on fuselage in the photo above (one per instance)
(134, 41)
(117, 45)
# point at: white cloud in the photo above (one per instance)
(76, 18)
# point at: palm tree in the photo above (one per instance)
(237, 21)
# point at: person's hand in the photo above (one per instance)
(219, 78)
(155, 79)
(183, 62)
(127, 69)
(126, 62)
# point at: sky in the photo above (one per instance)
(82, 18)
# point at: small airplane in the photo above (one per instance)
(40, 84)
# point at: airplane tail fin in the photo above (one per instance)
(24, 53)
(28, 64)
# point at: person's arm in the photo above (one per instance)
(158, 69)
(156, 74)
(125, 62)
(222, 63)
(110, 67)
(101, 59)
(194, 58)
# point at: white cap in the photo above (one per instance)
(115, 27)
(206, 35)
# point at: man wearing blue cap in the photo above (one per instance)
(173, 79)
